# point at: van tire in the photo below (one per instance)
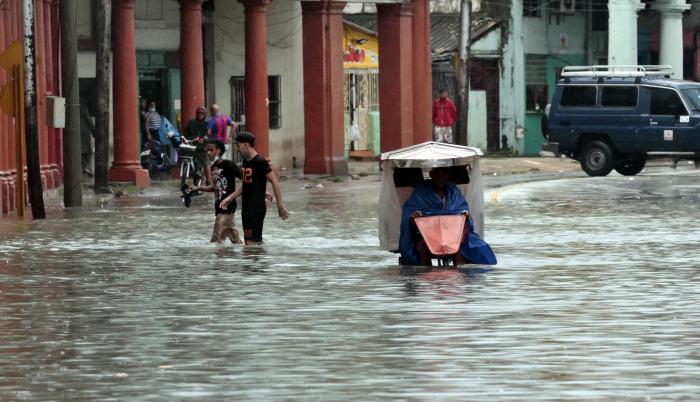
(630, 167)
(597, 158)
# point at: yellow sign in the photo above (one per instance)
(12, 56)
(7, 98)
(360, 47)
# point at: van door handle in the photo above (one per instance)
(565, 124)
(653, 123)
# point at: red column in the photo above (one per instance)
(56, 46)
(50, 90)
(192, 58)
(40, 60)
(5, 126)
(422, 74)
(13, 32)
(324, 135)
(125, 167)
(257, 116)
(395, 75)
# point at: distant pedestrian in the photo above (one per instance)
(196, 132)
(256, 173)
(444, 117)
(153, 120)
(218, 125)
(223, 175)
(143, 115)
(87, 133)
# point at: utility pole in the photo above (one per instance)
(463, 73)
(36, 195)
(102, 29)
(72, 171)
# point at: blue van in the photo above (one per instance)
(618, 117)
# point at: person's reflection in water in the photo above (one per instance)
(446, 281)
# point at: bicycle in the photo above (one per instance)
(188, 167)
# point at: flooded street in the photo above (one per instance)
(594, 298)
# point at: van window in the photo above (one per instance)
(666, 102)
(692, 95)
(619, 96)
(578, 96)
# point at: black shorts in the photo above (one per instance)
(253, 224)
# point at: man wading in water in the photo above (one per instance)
(256, 173)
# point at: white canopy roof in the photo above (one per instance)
(433, 154)
(425, 156)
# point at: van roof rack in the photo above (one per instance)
(605, 71)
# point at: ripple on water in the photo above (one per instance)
(593, 298)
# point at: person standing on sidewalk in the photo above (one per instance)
(444, 117)
(87, 133)
(256, 173)
(218, 124)
(196, 132)
(143, 117)
(153, 120)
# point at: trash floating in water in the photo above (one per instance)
(309, 185)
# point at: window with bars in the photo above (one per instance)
(563, 6)
(536, 82)
(599, 15)
(208, 5)
(531, 8)
(274, 90)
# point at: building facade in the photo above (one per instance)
(586, 32)
(276, 66)
(48, 83)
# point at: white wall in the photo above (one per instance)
(488, 45)
(86, 69)
(284, 38)
(477, 124)
(545, 38)
(83, 22)
(512, 83)
(161, 30)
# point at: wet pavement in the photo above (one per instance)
(594, 298)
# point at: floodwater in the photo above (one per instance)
(594, 298)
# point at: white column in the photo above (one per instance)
(622, 31)
(671, 35)
(518, 77)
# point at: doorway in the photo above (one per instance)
(362, 110)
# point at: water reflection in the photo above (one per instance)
(593, 298)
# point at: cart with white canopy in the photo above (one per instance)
(404, 168)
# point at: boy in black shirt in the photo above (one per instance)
(256, 173)
(222, 183)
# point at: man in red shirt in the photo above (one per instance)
(444, 117)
